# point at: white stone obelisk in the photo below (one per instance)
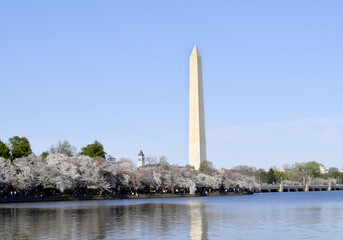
(197, 137)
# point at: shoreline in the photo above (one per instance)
(118, 197)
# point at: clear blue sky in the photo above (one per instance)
(118, 73)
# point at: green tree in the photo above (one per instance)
(306, 170)
(334, 172)
(279, 175)
(44, 154)
(261, 176)
(324, 175)
(204, 165)
(340, 178)
(5, 151)
(95, 149)
(20, 147)
(271, 178)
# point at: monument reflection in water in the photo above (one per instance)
(101, 220)
(198, 221)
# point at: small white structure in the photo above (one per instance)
(323, 169)
(141, 159)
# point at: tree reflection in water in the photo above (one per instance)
(104, 221)
(312, 215)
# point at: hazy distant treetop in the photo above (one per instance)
(111, 159)
(63, 148)
(150, 160)
(245, 170)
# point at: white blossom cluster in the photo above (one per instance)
(61, 172)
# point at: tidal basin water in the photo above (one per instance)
(305, 215)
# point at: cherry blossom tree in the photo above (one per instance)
(69, 173)
(7, 173)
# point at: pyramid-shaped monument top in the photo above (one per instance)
(195, 51)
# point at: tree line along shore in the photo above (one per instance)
(60, 172)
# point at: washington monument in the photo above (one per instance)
(197, 137)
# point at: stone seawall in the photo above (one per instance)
(117, 197)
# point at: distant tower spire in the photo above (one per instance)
(141, 159)
(197, 137)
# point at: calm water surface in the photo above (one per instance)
(306, 215)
